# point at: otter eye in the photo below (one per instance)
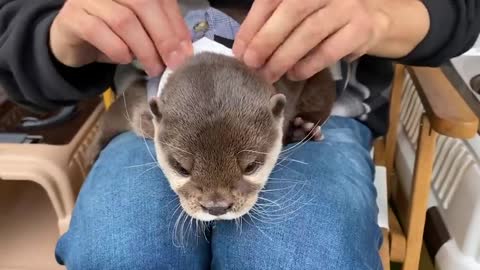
(179, 168)
(251, 167)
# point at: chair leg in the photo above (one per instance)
(397, 239)
(394, 119)
(385, 250)
(419, 195)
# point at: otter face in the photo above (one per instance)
(218, 135)
(218, 167)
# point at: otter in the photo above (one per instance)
(218, 129)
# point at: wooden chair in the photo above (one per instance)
(446, 113)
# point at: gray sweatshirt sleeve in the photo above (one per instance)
(28, 71)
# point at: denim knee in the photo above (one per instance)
(133, 254)
(336, 226)
(123, 216)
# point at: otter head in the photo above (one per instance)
(218, 134)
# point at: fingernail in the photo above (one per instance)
(155, 70)
(238, 48)
(251, 59)
(175, 59)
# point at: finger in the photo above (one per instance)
(99, 35)
(328, 52)
(284, 20)
(257, 16)
(160, 30)
(172, 10)
(102, 58)
(311, 32)
(127, 26)
(356, 54)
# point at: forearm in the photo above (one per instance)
(405, 24)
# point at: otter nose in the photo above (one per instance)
(217, 208)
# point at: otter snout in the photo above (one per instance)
(217, 209)
(216, 204)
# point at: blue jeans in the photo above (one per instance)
(318, 211)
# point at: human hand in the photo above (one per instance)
(304, 37)
(117, 31)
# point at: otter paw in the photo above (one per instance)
(303, 129)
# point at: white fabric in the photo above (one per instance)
(201, 45)
(380, 183)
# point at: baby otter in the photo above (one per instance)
(219, 128)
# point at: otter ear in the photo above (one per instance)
(277, 105)
(155, 107)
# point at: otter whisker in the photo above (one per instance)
(270, 201)
(236, 223)
(147, 170)
(282, 182)
(267, 220)
(204, 228)
(273, 213)
(182, 228)
(308, 136)
(189, 231)
(146, 145)
(287, 179)
(174, 199)
(129, 119)
(175, 229)
(263, 222)
(241, 224)
(252, 151)
(288, 195)
(127, 116)
(175, 211)
(290, 151)
(255, 225)
(277, 201)
(174, 147)
(293, 160)
(300, 143)
(281, 204)
(140, 165)
(278, 218)
(283, 158)
(278, 189)
(282, 166)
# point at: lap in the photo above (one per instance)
(318, 206)
(127, 217)
(318, 210)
